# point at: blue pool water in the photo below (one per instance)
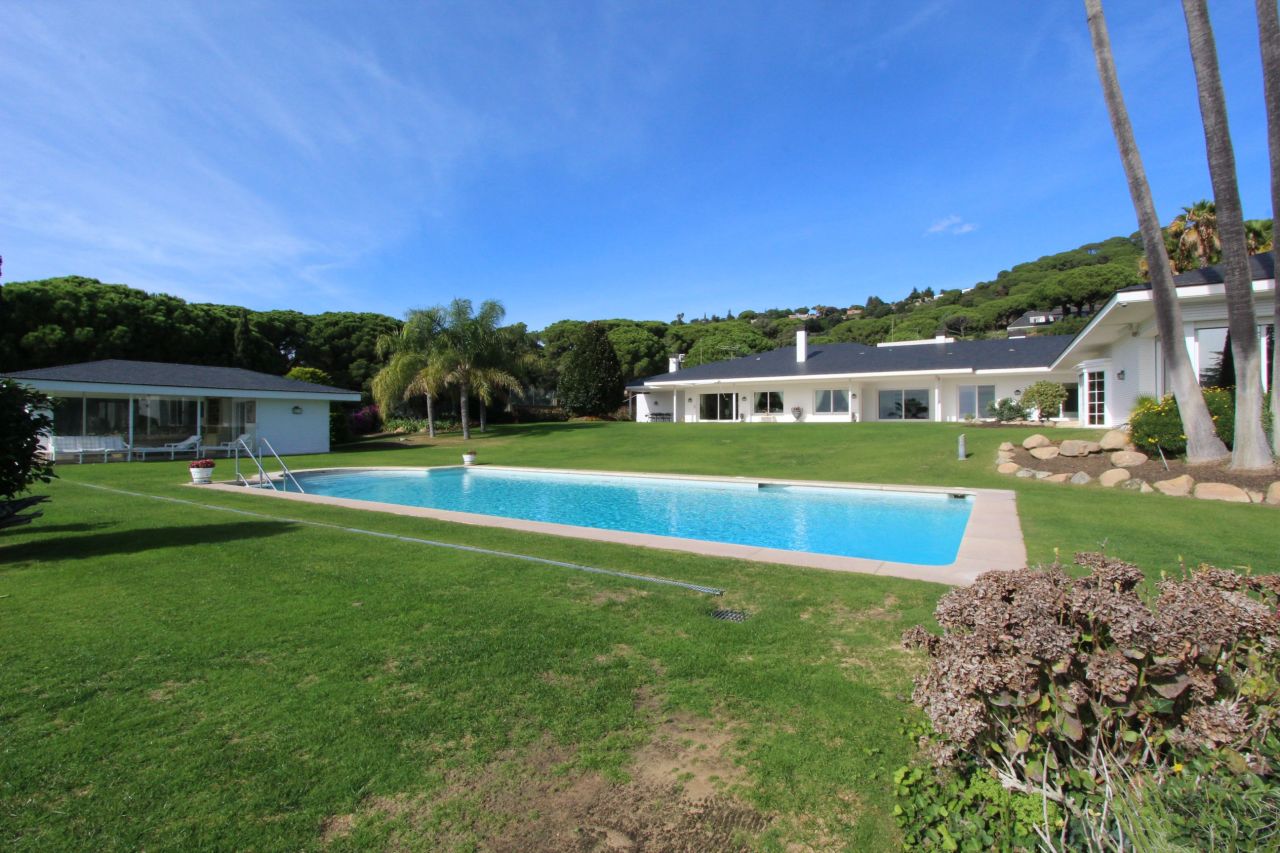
(905, 527)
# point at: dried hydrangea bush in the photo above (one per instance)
(1056, 683)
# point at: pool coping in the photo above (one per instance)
(992, 537)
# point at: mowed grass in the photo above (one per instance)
(175, 677)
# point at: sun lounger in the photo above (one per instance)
(79, 445)
(229, 447)
(173, 448)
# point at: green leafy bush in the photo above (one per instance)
(23, 420)
(1157, 423)
(967, 812)
(1045, 397)
(1048, 681)
(1006, 410)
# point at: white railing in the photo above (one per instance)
(264, 479)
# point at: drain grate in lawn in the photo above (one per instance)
(729, 615)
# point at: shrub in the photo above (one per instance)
(966, 812)
(1049, 681)
(1157, 423)
(1006, 410)
(1045, 397)
(364, 420)
(23, 420)
(314, 375)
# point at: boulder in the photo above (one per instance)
(1046, 452)
(1093, 447)
(1178, 487)
(1042, 475)
(1114, 440)
(1273, 494)
(1003, 456)
(1221, 492)
(1127, 458)
(1080, 478)
(1146, 488)
(1074, 447)
(1134, 484)
(1033, 441)
(1255, 496)
(1113, 477)
(1008, 467)
(1006, 447)
(1058, 478)
(1025, 473)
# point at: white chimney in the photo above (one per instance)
(802, 345)
(673, 363)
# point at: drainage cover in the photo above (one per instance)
(729, 615)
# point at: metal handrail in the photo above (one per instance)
(262, 472)
(283, 467)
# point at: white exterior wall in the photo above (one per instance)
(289, 433)
(1135, 358)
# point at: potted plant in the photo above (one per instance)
(468, 457)
(201, 470)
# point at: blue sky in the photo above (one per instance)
(588, 159)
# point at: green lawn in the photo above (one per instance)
(174, 677)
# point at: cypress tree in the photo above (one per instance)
(591, 375)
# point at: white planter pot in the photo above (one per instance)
(468, 458)
(201, 475)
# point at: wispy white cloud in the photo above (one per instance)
(952, 224)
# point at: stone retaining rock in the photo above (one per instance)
(1004, 456)
(1008, 467)
(1045, 453)
(1006, 447)
(1127, 458)
(1058, 478)
(1114, 440)
(1273, 493)
(1114, 477)
(1255, 496)
(1221, 492)
(1080, 478)
(1074, 447)
(1178, 487)
(1033, 441)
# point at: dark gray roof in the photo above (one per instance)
(828, 359)
(1261, 268)
(121, 372)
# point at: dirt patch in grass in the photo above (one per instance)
(617, 596)
(676, 801)
(167, 691)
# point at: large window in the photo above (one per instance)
(715, 407)
(976, 401)
(911, 404)
(768, 403)
(831, 402)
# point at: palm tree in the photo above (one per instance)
(410, 371)
(1269, 40)
(1250, 450)
(1203, 444)
(1196, 229)
(469, 353)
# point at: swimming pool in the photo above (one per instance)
(924, 528)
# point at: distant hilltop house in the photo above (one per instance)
(1034, 321)
(1105, 368)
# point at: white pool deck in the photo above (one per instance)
(992, 537)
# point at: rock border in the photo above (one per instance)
(1121, 453)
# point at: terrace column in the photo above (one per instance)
(937, 400)
(129, 455)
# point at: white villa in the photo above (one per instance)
(145, 405)
(1105, 368)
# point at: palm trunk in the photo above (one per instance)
(483, 406)
(1269, 39)
(1250, 451)
(1203, 444)
(431, 417)
(464, 391)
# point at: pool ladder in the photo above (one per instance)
(264, 480)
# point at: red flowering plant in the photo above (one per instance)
(201, 463)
